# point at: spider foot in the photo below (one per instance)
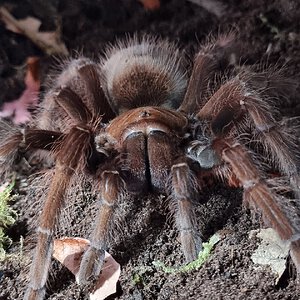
(191, 245)
(91, 265)
(33, 294)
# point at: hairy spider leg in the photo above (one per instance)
(67, 162)
(278, 141)
(214, 55)
(71, 156)
(182, 192)
(111, 193)
(226, 110)
(100, 105)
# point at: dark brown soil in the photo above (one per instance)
(269, 32)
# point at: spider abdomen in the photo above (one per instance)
(146, 72)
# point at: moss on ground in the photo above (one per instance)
(196, 264)
(7, 218)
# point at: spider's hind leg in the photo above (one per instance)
(214, 56)
(80, 78)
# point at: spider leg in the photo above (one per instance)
(211, 57)
(28, 138)
(256, 190)
(234, 103)
(111, 190)
(71, 156)
(182, 194)
(229, 111)
(16, 142)
(72, 104)
(90, 75)
(275, 209)
(96, 108)
(79, 84)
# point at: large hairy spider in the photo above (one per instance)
(132, 123)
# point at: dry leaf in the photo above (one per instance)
(18, 109)
(107, 284)
(69, 252)
(49, 42)
(272, 251)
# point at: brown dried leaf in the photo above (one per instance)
(69, 251)
(107, 284)
(49, 42)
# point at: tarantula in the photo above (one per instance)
(133, 122)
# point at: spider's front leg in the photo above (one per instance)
(183, 185)
(67, 161)
(111, 192)
(236, 104)
(227, 112)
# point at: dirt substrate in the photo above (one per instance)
(268, 32)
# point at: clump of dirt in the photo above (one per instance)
(269, 33)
